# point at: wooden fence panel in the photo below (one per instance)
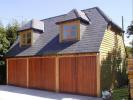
(130, 76)
(130, 64)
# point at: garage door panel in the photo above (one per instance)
(11, 71)
(49, 73)
(77, 74)
(17, 72)
(21, 72)
(34, 72)
(67, 75)
(42, 73)
(86, 75)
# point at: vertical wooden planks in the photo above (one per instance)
(130, 76)
(78, 75)
(21, 72)
(49, 73)
(67, 74)
(17, 72)
(72, 74)
(11, 71)
(86, 75)
(42, 73)
(34, 72)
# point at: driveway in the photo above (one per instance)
(17, 93)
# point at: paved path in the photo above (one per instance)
(17, 93)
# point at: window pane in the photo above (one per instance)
(28, 35)
(28, 38)
(70, 32)
(23, 38)
(29, 41)
(23, 41)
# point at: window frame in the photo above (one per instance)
(75, 22)
(25, 38)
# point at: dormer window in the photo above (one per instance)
(30, 32)
(25, 38)
(70, 31)
(73, 26)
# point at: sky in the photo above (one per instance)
(41, 9)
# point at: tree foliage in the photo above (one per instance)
(113, 71)
(4, 43)
(130, 29)
(11, 31)
(7, 36)
(130, 32)
(129, 50)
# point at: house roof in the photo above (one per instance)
(48, 42)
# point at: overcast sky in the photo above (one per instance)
(41, 9)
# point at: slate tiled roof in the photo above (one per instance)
(48, 42)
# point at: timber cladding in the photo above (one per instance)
(71, 74)
(78, 75)
(17, 72)
(42, 73)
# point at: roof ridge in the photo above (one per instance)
(109, 20)
(53, 17)
(90, 8)
(66, 14)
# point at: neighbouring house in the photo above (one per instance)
(64, 53)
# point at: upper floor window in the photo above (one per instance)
(25, 38)
(70, 31)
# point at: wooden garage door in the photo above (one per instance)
(86, 75)
(42, 73)
(17, 72)
(11, 71)
(78, 75)
(67, 74)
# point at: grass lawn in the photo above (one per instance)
(120, 94)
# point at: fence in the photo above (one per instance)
(130, 76)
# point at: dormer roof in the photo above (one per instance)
(32, 24)
(75, 14)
